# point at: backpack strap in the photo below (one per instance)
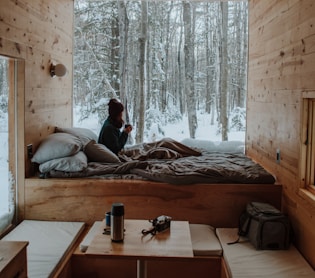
(243, 227)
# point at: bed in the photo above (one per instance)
(185, 195)
(74, 153)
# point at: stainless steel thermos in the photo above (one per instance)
(117, 222)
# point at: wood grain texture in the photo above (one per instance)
(13, 259)
(101, 266)
(88, 199)
(39, 33)
(281, 71)
(172, 243)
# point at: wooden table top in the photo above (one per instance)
(8, 251)
(172, 243)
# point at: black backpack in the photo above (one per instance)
(266, 227)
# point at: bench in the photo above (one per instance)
(50, 246)
(242, 260)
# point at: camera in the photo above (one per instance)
(161, 223)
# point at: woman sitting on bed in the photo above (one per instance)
(111, 135)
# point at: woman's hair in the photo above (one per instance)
(115, 107)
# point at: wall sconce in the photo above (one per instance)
(58, 70)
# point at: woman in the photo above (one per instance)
(111, 135)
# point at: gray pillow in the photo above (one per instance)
(74, 163)
(99, 153)
(57, 145)
(84, 134)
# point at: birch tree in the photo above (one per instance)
(224, 72)
(164, 60)
(189, 68)
(123, 55)
(142, 66)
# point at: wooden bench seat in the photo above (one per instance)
(50, 245)
(242, 260)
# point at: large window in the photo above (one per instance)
(180, 68)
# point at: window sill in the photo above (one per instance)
(307, 195)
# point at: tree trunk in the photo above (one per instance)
(189, 69)
(224, 72)
(123, 55)
(114, 52)
(142, 67)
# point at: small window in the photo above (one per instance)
(308, 144)
(7, 177)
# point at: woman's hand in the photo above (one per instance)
(128, 128)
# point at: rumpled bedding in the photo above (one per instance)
(172, 162)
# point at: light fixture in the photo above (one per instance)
(58, 70)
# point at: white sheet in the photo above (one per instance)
(244, 261)
(48, 242)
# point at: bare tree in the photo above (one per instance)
(142, 62)
(224, 72)
(163, 59)
(123, 55)
(189, 68)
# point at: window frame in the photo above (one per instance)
(16, 157)
(307, 161)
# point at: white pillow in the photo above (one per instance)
(84, 134)
(99, 153)
(56, 145)
(74, 163)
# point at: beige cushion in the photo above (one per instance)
(49, 242)
(99, 153)
(95, 229)
(244, 261)
(204, 240)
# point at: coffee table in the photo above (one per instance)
(174, 243)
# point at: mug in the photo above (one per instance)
(107, 218)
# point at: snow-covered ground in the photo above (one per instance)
(3, 171)
(177, 131)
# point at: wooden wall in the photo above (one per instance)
(40, 32)
(87, 200)
(281, 70)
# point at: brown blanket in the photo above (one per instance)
(172, 162)
(166, 148)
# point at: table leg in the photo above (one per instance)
(141, 268)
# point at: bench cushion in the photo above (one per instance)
(243, 260)
(96, 227)
(204, 240)
(48, 241)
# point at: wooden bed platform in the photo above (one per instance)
(88, 199)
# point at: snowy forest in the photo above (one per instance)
(165, 61)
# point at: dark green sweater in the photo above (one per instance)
(112, 137)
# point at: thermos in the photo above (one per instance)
(117, 222)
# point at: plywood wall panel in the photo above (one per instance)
(281, 69)
(39, 32)
(44, 26)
